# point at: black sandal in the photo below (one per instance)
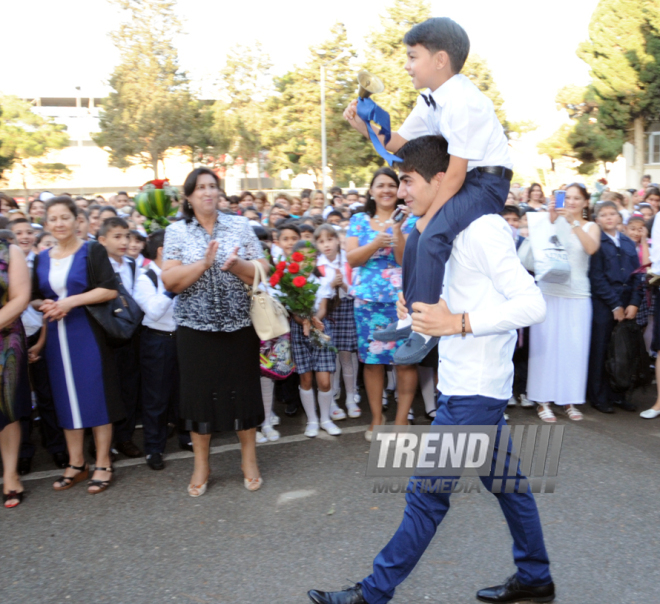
(66, 482)
(101, 484)
(13, 495)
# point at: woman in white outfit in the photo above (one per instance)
(559, 347)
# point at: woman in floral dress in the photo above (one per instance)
(374, 249)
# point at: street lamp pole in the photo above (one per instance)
(324, 153)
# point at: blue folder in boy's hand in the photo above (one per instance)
(370, 112)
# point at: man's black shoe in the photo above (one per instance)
(351, 595)
(291, 408)
(61, 459)
(128, 448)
(24, 465)
(186, 447)
(514, 591)
(155, 461)
(91, 449)
(608, 408)
(625, 405)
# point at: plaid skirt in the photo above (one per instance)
(344, 334)
(306, 356)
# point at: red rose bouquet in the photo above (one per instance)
(298, 294)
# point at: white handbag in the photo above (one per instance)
(269, 317)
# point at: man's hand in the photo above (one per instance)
(401, 308)
(618, 314)
(435, 319)
(630, 312)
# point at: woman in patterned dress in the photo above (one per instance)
(374, 249)
(207, 263)
(81, 366)
(15, 389)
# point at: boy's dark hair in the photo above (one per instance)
(306, 228)
(305, 193)
(334, 213)
(426, 155)
(651, 191)
(112, 223)
(93, 207)
(318, 220)
(18, 221)
(605, 204)
(261, 233)
(84, 214)
(287, 226)
(8, 235)
(305, 245)
(155, 240)
(335, 191)
(510, 210)
(441, 33)
(526, 210)
(109, 209)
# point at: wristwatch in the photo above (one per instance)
(576, 224)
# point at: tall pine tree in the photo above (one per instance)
(150, 109)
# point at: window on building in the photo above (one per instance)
(654, 148)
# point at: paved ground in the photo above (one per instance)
(317, 523)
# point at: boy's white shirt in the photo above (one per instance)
(466, 118)
(157, 307)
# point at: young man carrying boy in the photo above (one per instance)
(113, 235)
(615, 296)
(479, 172)
(159, 366)
(487, 296)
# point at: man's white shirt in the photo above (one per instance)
(125, 272)
(485, 278)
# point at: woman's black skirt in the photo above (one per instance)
(220, 380)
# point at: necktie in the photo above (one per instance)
(430, 101)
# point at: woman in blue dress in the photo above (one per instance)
(14, 386)
(374, 249)
(81, 366)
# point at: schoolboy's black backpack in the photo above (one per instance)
(627, 361)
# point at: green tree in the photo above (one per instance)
(386, 56)
(623, 52)
(245, 84)
(151, 108)
(25, 135)
(294, 127)
(557, 145)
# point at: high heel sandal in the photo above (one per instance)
(253, 484)
(101, 485)
(66, 482)
(195, 490)
(11, 496)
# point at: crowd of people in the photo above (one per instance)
(196, 365)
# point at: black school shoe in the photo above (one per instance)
(24, 465)
(155, 461)
(626, 406)
(351, 595)
(514, 591)
(61, 459)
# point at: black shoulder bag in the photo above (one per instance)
(120, 317)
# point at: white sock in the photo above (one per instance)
(346, 365)
(336, 380)
(391, 379)
(309, 405)
(427, 386)
(426, 338)
(267, 389)
(356, 369)
(325, 401)
(401, 323)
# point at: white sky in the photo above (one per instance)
(50, 47)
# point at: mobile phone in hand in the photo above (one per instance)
(560, 199)
(399, 214)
